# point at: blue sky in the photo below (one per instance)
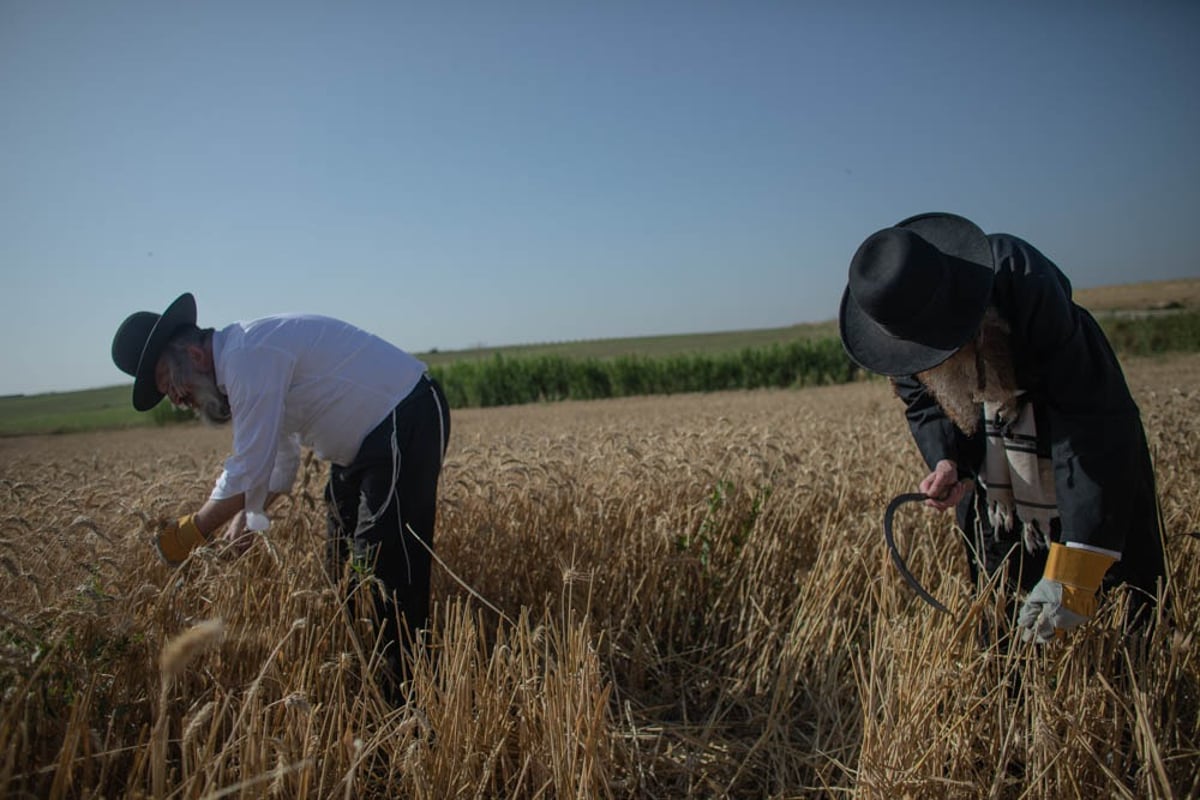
(455, 174)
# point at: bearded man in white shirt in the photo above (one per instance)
(297, 380)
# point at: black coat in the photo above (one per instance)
(1087, 421)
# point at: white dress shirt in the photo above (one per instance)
(301, 380)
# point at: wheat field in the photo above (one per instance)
(668, 597)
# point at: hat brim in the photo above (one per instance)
(180, 313)
(873, 348)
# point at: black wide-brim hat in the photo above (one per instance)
(917, 293)
(140, 341)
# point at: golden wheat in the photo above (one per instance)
(648, 597)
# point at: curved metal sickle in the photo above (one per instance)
(896, 559)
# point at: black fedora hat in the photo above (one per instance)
(140, 341)
(917, 292)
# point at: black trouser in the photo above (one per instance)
(381, 503)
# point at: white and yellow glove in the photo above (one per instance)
(177, 539)
(1065, 597)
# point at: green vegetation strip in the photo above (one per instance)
(1153, 333)
(507, 381)
(511, 380)
(700, 363)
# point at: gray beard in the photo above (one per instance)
(212, 405)
(955, 383)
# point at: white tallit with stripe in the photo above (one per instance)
(1019, 484)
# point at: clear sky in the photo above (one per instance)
(454, 174)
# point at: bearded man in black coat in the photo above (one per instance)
(1020, 409)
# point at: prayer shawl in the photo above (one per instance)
(1017, 481)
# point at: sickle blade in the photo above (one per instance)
(895, 553)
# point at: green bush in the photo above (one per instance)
(1160, 333)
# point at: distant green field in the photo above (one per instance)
(646, 346)
(1138, 333)
(70, 412)
(109, 407)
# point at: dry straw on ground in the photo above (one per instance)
(686, 596)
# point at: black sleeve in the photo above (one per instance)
(1075, 376)
(936, 436)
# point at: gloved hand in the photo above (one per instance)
(177, 539)
(1066, 594)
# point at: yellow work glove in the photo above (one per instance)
(1066, 595)
(177, 539)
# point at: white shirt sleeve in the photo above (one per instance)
(256, 400)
